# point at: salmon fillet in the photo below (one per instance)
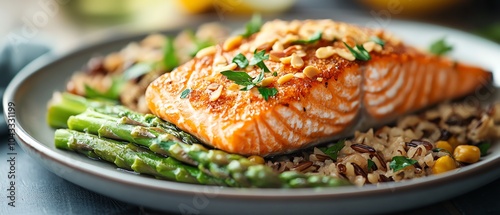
(323, 92)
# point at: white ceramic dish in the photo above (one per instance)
(33, 87)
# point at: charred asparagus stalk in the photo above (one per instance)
(130, 157)
(235, 170)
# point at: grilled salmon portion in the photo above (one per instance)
(317, 90)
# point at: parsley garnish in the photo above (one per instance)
(258, 59)
(359, 52)
(267, 92)
(170, 60)
(185, 93)
(240, 78)
(333, 151)
(400, 162)
(314, 38)
(240, 60)
(370, 165)
(484, 147)
(253, 26)
(245, 80)
(440, 47)
(377, 40)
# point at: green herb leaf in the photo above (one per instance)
(240, 78)
(440, 47)
(484, 147)
(245, 80)
(240, 60)
(258, 59)
(400, 162)
(138, 69)
(267, 92)
(377, 40)
(112, 93)
(185, 93)
(359, 52)
(170, 60)
(253, 26)
(275, 74)
(370, 165)
(314, 38)
(259, 78)
(333, 151)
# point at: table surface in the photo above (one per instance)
(39, 191)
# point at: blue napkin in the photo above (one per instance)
(13, 57)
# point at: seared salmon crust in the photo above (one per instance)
(323, 91)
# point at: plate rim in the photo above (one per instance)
(29, 142)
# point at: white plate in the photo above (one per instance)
(33, 87)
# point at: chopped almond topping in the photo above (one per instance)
(345, 54)
(296, 61)
(291, 49)
(220, 59)
(325, 52)
(286, 60)
(301, 53)
(277, 46)
(369, 46)
(299, 75)
(285, 78)
(234, 87)
(231, 66)
(216, 94)
(206, 51)
(213, 86)
(267, 81)
(311, 71)
(289, 38)
(232, 43)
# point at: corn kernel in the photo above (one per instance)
(443, 164)
(444, 145)
(256, 159)
(467, 153)
(454, 142)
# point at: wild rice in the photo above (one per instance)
(413, 137)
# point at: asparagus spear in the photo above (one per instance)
(64, 105)
(235, 170)
(128, 156)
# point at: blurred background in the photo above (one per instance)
(62, 24)
(29, 28)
